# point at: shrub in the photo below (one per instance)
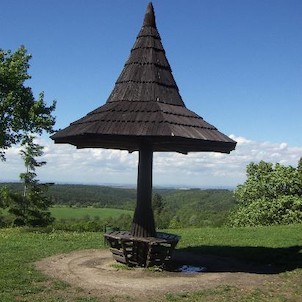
(272, 194)
(283, 210)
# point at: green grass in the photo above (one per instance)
(274, 245)
(19, 248)
(269, 236)
(19, 281)
(103, 213)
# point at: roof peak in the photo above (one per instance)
(149, 19)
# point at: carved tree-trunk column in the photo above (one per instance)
(143, 220)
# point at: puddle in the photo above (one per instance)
(191, 269)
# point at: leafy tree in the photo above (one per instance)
(157, 203)
(299, 172)
(175, 223)
(162, 214)
(2, 205)
(30, 208)
(20, 112)
(282, 210)
(272, 194)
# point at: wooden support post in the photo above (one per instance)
(143, 221)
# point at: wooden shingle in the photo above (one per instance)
(145, 106)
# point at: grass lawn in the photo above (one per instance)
(281, 246)
(68, 212)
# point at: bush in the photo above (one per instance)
(283, 210)
(272, 194)
(90, 224)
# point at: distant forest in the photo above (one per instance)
(178, 208)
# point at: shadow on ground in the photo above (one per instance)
(257, 260)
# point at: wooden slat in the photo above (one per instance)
(146, 79)
(141, 251)
(120, 259)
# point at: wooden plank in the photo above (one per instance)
(117, 252)
(120, 259)
(141, 251)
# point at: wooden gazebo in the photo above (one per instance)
(144, 113)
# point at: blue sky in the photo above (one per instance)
(237, 63)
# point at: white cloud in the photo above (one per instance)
(67, 164)
(240, 140)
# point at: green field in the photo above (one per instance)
(280, 246)
(78, 213)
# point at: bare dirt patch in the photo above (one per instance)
(94, 271)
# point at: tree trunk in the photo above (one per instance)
(143, 221)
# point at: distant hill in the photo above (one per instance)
(208, 199)
(197, 208)
(187, 207)
(87, 195)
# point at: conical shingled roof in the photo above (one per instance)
(145, 107)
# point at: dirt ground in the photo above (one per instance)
(94, 271)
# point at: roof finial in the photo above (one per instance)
(149, 16)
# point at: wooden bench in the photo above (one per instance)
(141, 251)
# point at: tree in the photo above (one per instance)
(29, 153)
(31, 207)
(272, 194)
(162, 215)
(2, 205)
(20, 112)
(157, 203)
(299, 172)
